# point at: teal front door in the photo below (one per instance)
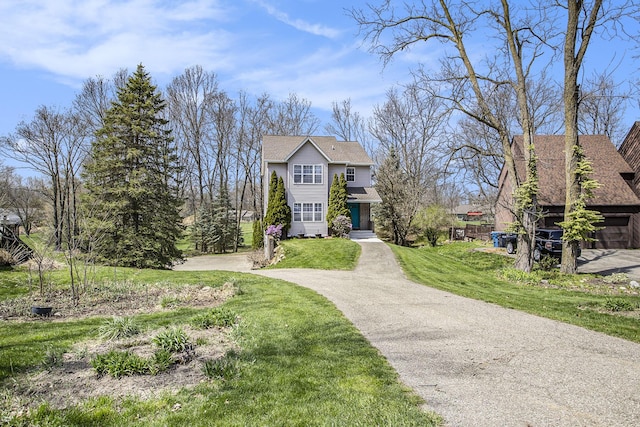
(355, 215)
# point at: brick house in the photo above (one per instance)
(630, 151)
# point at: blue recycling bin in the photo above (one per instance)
(495, 236)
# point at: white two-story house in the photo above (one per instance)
(307, 165)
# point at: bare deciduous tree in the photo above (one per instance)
(293, 116)
(584, 20)
(348, 125)
(471, 82)
(189, 97)
(54, 144)
(601, 107)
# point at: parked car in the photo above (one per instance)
(548, 242)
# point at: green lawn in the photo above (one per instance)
(459, 269)
(301, 363)
(323, 254)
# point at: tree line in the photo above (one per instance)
(505, 89)
(441, 139)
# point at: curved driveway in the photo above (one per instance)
(477, 364)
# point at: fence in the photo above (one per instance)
(472, 232)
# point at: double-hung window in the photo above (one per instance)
(351, 174)
(307, 174)
(307, 212)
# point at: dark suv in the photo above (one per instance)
(548, 242)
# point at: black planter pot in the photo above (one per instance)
(41, 311)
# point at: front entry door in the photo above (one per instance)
(354, 208)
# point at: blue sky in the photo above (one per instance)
(49, 47)
(275, 46)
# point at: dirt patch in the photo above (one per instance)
(118, 299)
(75, 380)
(70, 379)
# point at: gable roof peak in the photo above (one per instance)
(277, 148)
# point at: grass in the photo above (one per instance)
(457, 268)
(324, 254)
(300, 362)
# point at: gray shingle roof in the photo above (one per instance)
(280, 148)
(363, 195)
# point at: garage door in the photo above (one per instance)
(615, 234)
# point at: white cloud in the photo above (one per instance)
(76, 38)
(299, 24)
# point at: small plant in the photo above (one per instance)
(224, 368)
(616, 278)
(120, 363)
(52, 358)
(162, 361)
(170, 301)
(547, 262)
(342, 226)
(6, 258)
(275, 231)
(173, 340)
(201, 341)
(118, 328)
(217, 317)
(613, 304)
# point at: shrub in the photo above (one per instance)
(6, 258)
(342, 226)
(217, 317)
(118, 327)
(173, 340)
(547, 262)
(224, 368)
(258, 240)
(275, 231)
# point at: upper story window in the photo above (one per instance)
(351, 174)
(307, 174)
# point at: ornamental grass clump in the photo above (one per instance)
(224, 368)
(173, 340)
(118, 327)
(218, 317)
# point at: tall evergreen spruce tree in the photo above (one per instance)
(131, 178)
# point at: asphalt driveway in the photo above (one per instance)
(478, 364)
(609, 261)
